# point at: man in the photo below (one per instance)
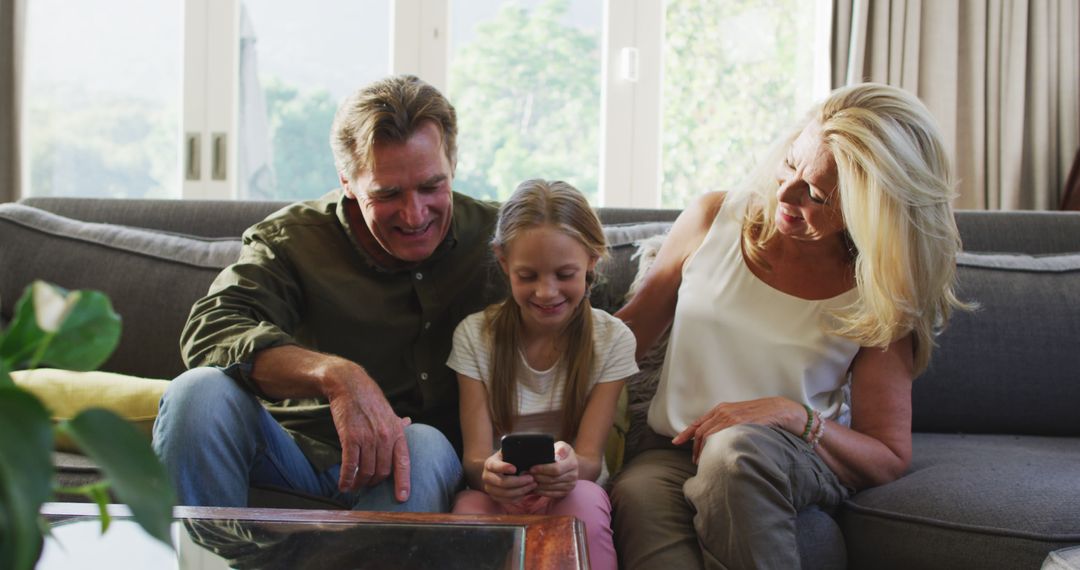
(340, 312)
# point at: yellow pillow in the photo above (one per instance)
(66, 393)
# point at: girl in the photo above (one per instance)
(543, 361)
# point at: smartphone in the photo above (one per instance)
(523, 450)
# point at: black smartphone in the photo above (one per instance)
(523, 450)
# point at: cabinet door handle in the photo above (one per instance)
(192, 164)
(220, 151)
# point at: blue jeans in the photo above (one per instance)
(215, 440)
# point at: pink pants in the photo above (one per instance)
(588, 502)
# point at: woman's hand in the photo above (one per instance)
(777, 412)
(502, 484)
(556, 480)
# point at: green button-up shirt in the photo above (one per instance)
(302, 278)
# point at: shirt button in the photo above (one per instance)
(427, 325)
(419, 276)
(423, 375)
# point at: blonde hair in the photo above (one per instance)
(558, 205)
(895, 189)
(389, 110)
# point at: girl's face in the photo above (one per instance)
(547, 271)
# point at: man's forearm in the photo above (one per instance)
(294, 372)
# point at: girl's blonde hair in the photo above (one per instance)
(558, 205)
(895, 189)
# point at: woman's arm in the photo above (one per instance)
(876, 449)
(652, 308)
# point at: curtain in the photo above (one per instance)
(1002, 77)
(10, 49)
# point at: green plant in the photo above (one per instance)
(75, 330)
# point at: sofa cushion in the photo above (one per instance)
(1011, 365)
(152, 278)
(618, 270)
(970, 501)
(67, 393)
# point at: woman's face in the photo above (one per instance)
(808, 197)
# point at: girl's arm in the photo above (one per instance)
(484, 469)
(652, 308)
(594, 429)
(476, 429)
(583, 460)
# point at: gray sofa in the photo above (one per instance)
(995, 479)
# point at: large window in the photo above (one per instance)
(735, 74)
(525, 80)
(296, 65)
(635, 102)
(102, 98)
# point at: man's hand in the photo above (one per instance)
(373, 443)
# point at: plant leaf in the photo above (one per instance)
(5, 376)
(26, 440)
(88, 334)
(138, 478)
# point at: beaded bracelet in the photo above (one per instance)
(819, 432)
(809, 423)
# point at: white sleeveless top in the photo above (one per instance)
(735, 338)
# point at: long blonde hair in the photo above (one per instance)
(558, 205)
(895, 188)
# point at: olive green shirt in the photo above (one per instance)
(303, 279)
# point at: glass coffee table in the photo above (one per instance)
(207, 538)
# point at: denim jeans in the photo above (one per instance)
(215, 440)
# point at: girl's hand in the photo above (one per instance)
(556, 480)
(776, 412)
(501, 483)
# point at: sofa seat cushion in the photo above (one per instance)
(970, 501)
(66, 393)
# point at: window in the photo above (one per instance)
(635, 102)
(102, 119)
(296, 65)
(735, 75)
(525, 80)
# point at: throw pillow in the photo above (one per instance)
(66, 393)
(641, 387)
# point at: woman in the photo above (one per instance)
(831, 271)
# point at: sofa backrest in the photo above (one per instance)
(1012, 365)
(155, 258)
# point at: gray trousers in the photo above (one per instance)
(735, 509)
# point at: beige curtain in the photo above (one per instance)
(1001, 76)
(10, 47)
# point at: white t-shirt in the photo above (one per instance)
(736, 338)
(540, 392)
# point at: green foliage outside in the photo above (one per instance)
(102, 146)
(733, 71)
(527, 94)
(75, 330)
(300, 128)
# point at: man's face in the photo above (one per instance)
(406, 198)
